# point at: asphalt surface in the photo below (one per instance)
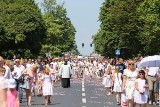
(85, 92)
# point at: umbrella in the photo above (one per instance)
(150, 61)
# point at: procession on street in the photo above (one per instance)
(79, 53)
(133, 82)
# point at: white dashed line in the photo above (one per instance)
(83, 100)
(82, 85)
(83, 89)
(83, 94)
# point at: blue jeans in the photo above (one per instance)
(19, 90)
(20, 94)
(100, 73)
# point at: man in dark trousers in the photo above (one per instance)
(65, 74)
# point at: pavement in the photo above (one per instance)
(84, 92)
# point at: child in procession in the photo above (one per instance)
(90, 71)
(52, 71)
(47, 86)
(117, 78)
(141, 92)
(107, 81)
(56, 73)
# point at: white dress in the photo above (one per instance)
(117, 82)
(107, 81)
(47, 85)
(90, 72)
(86, 70)
(52, 70)
(130, 83)
(141, 98)
(3, 83)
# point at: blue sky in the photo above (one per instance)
(84, 16)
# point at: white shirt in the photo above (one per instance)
(55, 64)
(100, 66)
(18, 70)
(7, 74)
(81, 63)
(153, 71)
(65, 71)
(95, 63)
(28, 65)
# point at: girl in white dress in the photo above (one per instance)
(107, 81)
(141, 90)
(90, 71)
(47, 87)
(117, 78)
(75, 68)
(56, 73)
(52, 71)
(86, 70)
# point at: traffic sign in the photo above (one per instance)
(117, 52)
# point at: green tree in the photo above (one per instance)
(60, 31)
(133, 26)
(21, 28)
(119, 28)
(150, 30)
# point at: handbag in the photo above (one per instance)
(123, 100)
(25, 81)
(39, 92)
(21, 79)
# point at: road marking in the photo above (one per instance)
(83, 100)
(82, 85)
(83, 94)
(83, 89)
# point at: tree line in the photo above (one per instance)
(27, 32)
(132, 26)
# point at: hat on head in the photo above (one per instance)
(11, 83)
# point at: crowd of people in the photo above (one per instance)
(131, 85)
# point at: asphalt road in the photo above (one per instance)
(83, 93)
